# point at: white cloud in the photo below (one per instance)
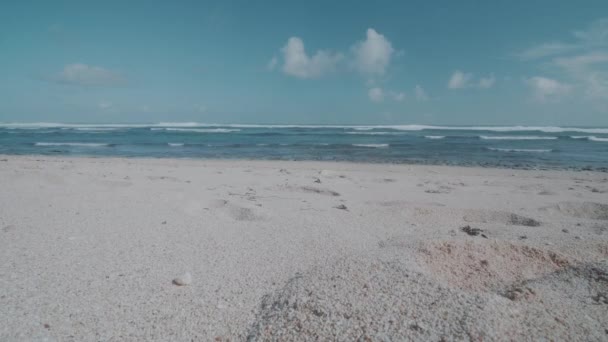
(583, 69)
(373, 55)
(299, 64)
(376, 94)
(85, 75)
(545, 89)
(104, 105)
(398, 96)
(459, 80)
(487, 82)
(582, 60)
(420, 93)
(544, 50)
(594, 36)
(272, 63)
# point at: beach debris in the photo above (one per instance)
(183, 280)
(318, 191)
(473, 231)
(341, 207)
(317, 180)
(565, 230)
(164, 222)
(523, 237)
(519, 293)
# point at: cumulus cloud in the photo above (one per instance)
(545, 89)
(459, 80)
(420, 94)
(299, 64)
(86, 75)
(376, 94)
(372, 56)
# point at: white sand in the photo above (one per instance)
(90, 249)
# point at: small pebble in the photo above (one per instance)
(565, 230)
(185, 279)
(341, 207)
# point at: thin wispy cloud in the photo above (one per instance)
(420, 93)
(581, 60)
(487, 82)
(376, 94)
(593, 37)
(545, 89)
(87, 75)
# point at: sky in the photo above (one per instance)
(305, 62)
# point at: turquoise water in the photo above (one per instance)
(514, 147)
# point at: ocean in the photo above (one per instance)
(521, 147)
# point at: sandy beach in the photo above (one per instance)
(110, 249)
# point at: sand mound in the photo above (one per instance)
(585, 210)
(502, 217)
(489, 266)
(383, 298)
(366, 299)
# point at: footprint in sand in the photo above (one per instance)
(502, 217)
(315, 190)
(584, 210)
(236, 211)
(488, 266)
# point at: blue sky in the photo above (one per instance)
(314, 62)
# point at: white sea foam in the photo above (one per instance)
(374, 133)
(588, 137)
(70, 144)
(434, 136)
(355, 127)
(519, 150)
(371, 145)
(546, 129)
(197, 130)
(521, 137)
(175, 144)
(95, 129)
